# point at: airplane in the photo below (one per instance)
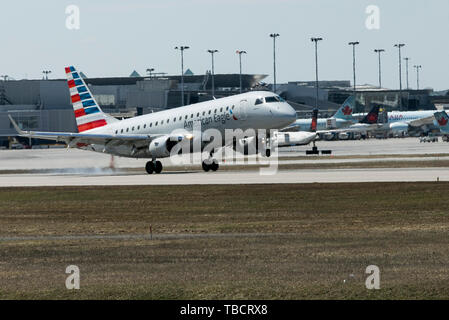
(342, 118)
(153, 135)
(400, 122)
(368, 123)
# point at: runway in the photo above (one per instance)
(230, 177)
(62, 158)
(61, 167)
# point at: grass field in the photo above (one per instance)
(228, 241)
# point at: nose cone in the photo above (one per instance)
(286, 114)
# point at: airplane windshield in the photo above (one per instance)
(274, 99)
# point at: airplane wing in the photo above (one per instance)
(363, 128)
(84, 138)
(421, 122)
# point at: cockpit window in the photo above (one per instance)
(271, 99)
(258, 101)
(274, 99)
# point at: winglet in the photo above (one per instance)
(19, 131)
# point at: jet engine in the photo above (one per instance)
(162, 146)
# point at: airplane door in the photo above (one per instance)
(241, 109)
(287, 138)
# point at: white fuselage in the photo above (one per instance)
(235, 112)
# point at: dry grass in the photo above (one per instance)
(320, 234)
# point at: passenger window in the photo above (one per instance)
(258, 101)
(191, 115)
(138, 127)
(116, 131)
(227, 108)
(215, 111)
(198, 114)
(204, 113)
(187, 116)
(121, 131)
(127, 129)
(210, 111)
(232, 107)
(221, 109)
(151, 124)
(174, 119)
(156, 123)
(162, 122)
(168, 120)
(145, 125)
(133, 129)
(180, 118)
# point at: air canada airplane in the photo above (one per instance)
(153, 135)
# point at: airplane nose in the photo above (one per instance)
(287, 113)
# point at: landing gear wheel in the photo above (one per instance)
(268, 153)
(158, 167)
(149, 167)
(214, 165)
(205, 166)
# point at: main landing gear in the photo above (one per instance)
(210, 164)
(153, 166)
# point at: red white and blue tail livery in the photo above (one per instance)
(88, 113)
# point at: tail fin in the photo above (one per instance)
(88, 113)
(442, 120)
(346, 109)
(313, 124)
(372, 117)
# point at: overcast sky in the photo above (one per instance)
(117, 37)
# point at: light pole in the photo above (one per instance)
(406, 68)
(316, 67)
(240, 52)
(149, 70)
(353, 44)
(274, 36)
(213, 83)
(399, 46)
(417, 75)
(46, 73)
(182, 48)
(379, 51)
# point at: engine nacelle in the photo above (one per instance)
(162, 146)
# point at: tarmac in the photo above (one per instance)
(74, 167)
